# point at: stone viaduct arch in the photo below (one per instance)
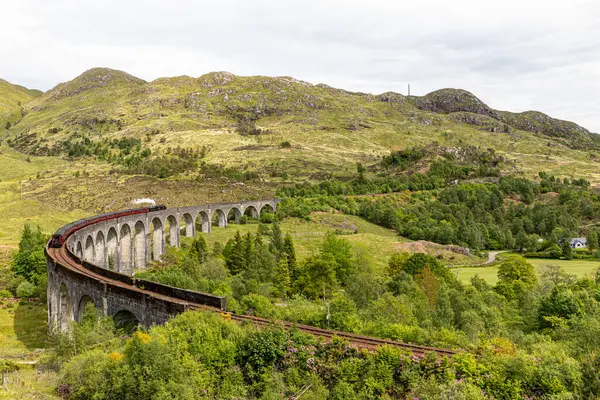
(126, 244)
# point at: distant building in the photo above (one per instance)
(578, 243)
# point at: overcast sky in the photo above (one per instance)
(515, 55)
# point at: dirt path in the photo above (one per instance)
(492, 257)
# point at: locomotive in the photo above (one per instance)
(59, 237)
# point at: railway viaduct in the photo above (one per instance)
(98, 262)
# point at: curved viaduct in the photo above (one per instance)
(96, 262)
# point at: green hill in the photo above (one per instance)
(283, 127)
(12, 97)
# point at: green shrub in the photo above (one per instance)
(267, 218)
(5, 294)
(26, 290)
(255, 304)
(9, 366)
(30, 262)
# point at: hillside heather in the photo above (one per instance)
(280, 126)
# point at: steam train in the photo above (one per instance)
(59, 237)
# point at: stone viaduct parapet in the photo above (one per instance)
(117, 247)
(129, 243)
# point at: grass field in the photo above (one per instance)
(23, 338)
(575, 267)
(23, 329)
(490, 274)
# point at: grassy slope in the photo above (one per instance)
(11, 99)
(377, 243)
(17, 203)
(23, 335)
(330, 129)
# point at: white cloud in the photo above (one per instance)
(515, 54)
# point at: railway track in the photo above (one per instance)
(359, 341)
(62, 257)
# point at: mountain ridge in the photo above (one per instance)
(445, 100)
(343, 127)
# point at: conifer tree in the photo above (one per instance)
(276, 242)
(248, 248)
(234, 254)
(282, 276)
(262, 264)
(290, 253)
(199, 249)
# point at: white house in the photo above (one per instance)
(578, 243)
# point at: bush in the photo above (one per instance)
(248, 128)
(26, 290)
(30, 262)
(267, 218)
(255, 304)
(9, 366)
(5, 294)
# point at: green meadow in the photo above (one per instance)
(578, 268)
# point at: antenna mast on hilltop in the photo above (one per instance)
(409, 90)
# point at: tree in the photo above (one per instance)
(521, 240)
(217, 249)
(567, 251)
(560, 304)
(592, 240)
(360, 170)
(317, 276)
(559, 235)
(430, 285)
(515, 276)
(25, 290)
(516, 268)
(248, 247)
(29, 261)
(555, 251)
(262, 263)
(290, 252)
(555, 275)
(364, 285)
(396, 263)
(282, 277)
(590, 385)
(276, 240)
(341, 252)
(343, 313)
(234, 254)
(199, 249)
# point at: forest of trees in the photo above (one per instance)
(462, 203)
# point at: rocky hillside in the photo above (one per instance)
(275, 124)
(453, 101)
